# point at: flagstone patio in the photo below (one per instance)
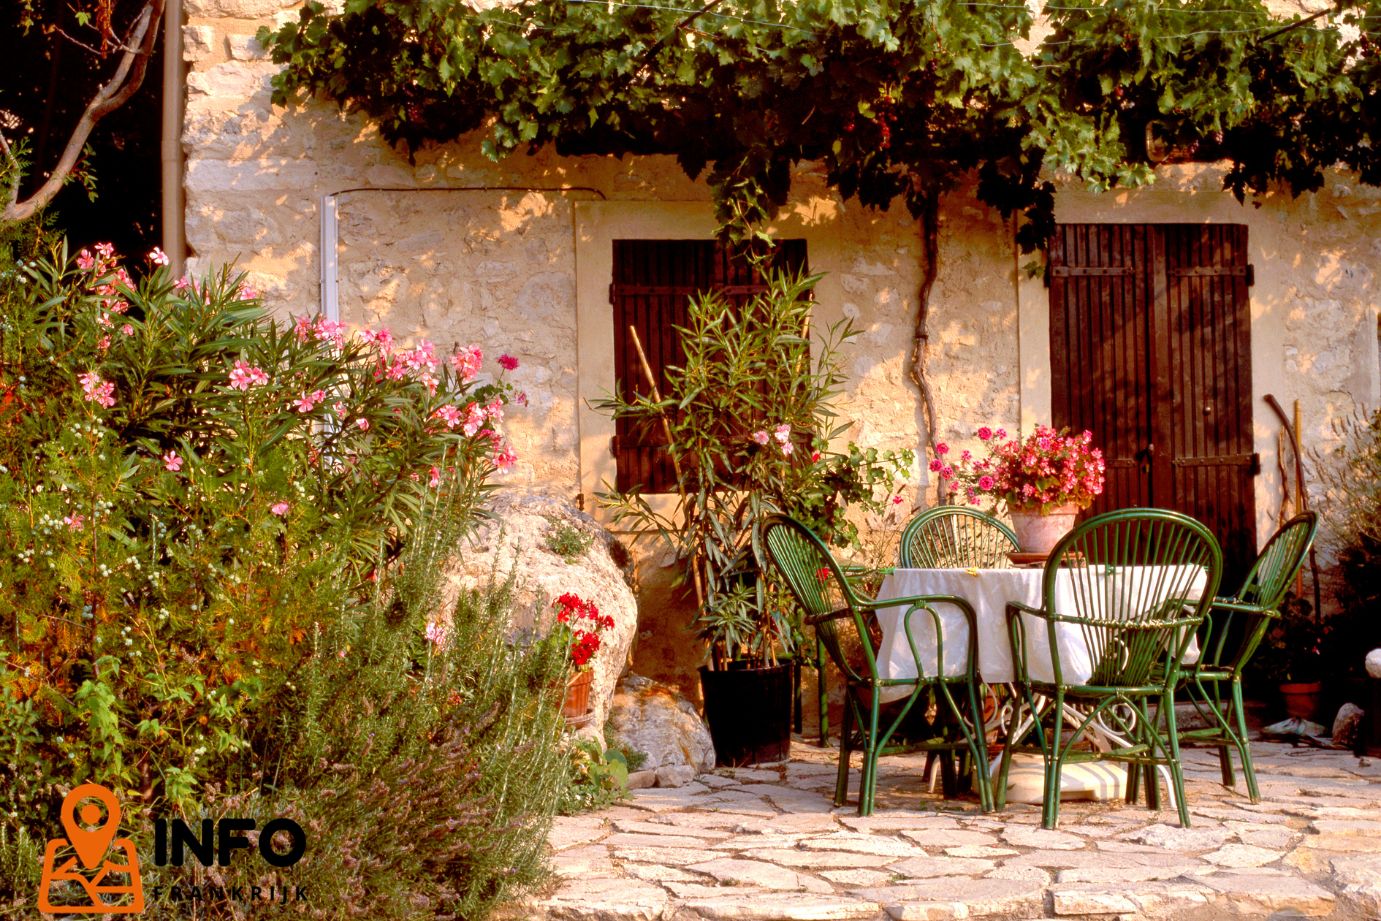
(767, 844)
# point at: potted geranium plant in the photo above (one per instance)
(1044, 480)
(748, 420)
(578, 630)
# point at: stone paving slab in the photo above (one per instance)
(767, 844)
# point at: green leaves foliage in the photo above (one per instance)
(894, 99)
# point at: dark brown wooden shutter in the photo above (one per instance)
(1150, 346)
(1210, 407)
(1099, 349)
(653, 283)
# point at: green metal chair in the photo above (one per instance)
(1121, 601)
(841, 618)
(956, 537)
(1230, 635)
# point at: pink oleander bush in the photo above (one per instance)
(195, 496)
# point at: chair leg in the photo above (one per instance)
(1243, 745)
(978, 750)
(1176, 769)
(1133, 783)
(867, 786)
(1050, 805)
(822, 692)
(841, 784)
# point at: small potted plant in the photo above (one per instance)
(1044, 480)
(1291, 658)
(747, 420)
(578, 630)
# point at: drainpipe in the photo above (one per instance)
(174, 201)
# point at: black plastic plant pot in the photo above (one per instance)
(749, 713)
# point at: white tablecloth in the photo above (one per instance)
(989, 591)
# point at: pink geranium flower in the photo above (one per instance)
(508, 362)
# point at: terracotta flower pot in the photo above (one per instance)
(576, 706)
(1039, 532)
(1301, 698)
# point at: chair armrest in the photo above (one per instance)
(1243, 607)
(823, 618)
(927, 603)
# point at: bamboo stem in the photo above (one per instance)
(666, 430)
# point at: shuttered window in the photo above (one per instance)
(654, 281)
(1150, 348)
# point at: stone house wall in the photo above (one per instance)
(514, 256)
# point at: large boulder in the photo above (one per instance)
(654, 719)
(519, 538)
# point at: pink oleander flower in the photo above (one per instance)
(362, 424)
(302, 328)
(782, 433)
(521, 398)
(787, 448)
(97, 390)
(761, 437)
(308, 401)
(450, 415)
(85, 261)
(127, 329)
(74, 522)
(158, 257)
(475, 417)
(104, 343)
(436, 634)
(247, 293)
(505, 458)
(279, 508)
(814, 456)
(330, 331)
(467, 361)
(183, 283)
(508, 362)
(434, 480)
(493, 410)
(245, 376)
(382, 338)
(172, 462)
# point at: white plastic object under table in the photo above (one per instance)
(989, 591)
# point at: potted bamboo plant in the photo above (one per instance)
(747, 420)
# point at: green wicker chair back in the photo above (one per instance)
(955, 537)
(818, 583)
(1139, 582)
(1264, 589)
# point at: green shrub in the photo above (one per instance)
(1352, 480)
(567, 541)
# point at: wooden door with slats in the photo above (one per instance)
(653, 283)
(1150, 345)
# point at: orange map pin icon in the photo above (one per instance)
(91, 846)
